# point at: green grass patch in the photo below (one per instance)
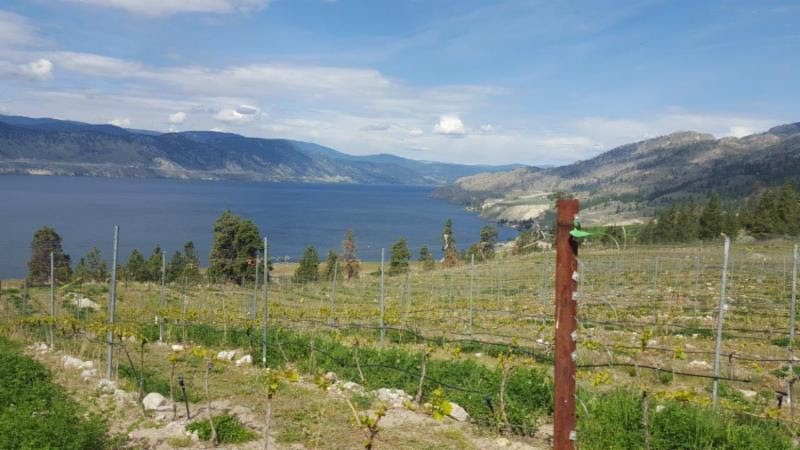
(229, 429)
(37, 414)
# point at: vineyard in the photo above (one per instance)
(475, 336)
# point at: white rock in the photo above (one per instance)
(330, 377)
(178, 348)
(226, 355)
(748, 394)
(88, 374)
(478, 355)
(394, 398)
(153, 400)
(107, 386)
(697, 364)
(71, 362)
(40, 347)
(352, 387)
(85, 303)
(660, 408)
(86, 365)
(502, 442)
(244, 360)
(652, 342)
(458, 413)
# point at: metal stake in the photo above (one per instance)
(720, 318)
(112, 303)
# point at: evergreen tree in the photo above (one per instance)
(487, 242)
(92, 267)
(331, 265)
(236, 242)
(449, 245)
(399, 258)
(154, 264)
(136, 267)
(352, 265)
(308, 270)
(184, 267)
(45, 241)
(711, 219)
(426, 258)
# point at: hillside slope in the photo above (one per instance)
(625, 183)
(59, 147)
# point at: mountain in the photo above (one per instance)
(626, 183)
(61, 147)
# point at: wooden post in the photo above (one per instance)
(564, 434)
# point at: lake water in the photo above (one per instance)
(170, 212)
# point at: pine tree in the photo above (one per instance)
(399, 258)
(487, 242)
(711, 219)
(449, 245)
(92, 267)
(331, 265)
(154, 264)
(426, 258)
(308, 270)
(352, 266)
(45, 241)
(136, 267)
(236, 242)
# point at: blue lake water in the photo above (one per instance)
(171, 212)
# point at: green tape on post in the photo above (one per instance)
(576, 232)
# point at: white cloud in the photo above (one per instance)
(233, 116)
(449, 125)
(120, 122)
(93, 64)
(16, 31)
(177, 118)
(169, 7)
(39, 70)
(737, 131)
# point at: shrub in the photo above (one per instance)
(229, 429)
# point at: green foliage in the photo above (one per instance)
(331, 265)
(688, 222)
(487, 242)
(426, 258)
(352, 266)
(136, 267)
(308, 270)
(154, 263)
(45, 241)
(37, 414)
(92, 267)
(614, 420)
(236, 243)
(776, 212)
(399, 258)
(184, 267)
(229, 429)
(449, 244)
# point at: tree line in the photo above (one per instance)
(237, 248)
(773, 213)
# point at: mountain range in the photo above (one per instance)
(626, 183)
(62, 147)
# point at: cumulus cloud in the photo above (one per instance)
(239, 115)
(39, 70)
(169, 7)
(450, 125)
(120, 122)
(177, 118)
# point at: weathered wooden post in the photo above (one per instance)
(564, 434)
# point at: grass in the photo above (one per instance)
(37, 414)
(229, 429)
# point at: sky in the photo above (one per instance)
(477, 82)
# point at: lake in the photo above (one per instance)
(170, 212)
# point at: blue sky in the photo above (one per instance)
(535, 82)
